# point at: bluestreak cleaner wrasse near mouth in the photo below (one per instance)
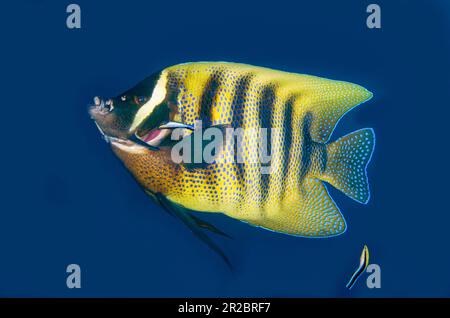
(300, 113)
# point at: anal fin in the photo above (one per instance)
(310, 213)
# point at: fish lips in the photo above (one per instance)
(96, 112)
(99, 113)
(100, 107)
(106, 120)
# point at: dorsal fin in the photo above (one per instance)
(327, 101)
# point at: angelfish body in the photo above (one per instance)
(301, 111)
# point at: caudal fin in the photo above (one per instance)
(347, 159)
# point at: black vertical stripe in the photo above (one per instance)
(307, 144)
(288, 128)
(266, 104)
(241, 88)
(210, 90)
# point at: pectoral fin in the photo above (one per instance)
(194, 224)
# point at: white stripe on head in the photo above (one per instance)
(158, 96)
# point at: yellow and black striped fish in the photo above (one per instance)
(303, 110)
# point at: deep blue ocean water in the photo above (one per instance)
(66, 199)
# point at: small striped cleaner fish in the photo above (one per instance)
(363, 263)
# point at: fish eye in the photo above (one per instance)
(140, 99)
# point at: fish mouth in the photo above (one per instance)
(95, 110)
(154, 137)
(150, 138)
(99, 109)
(100, 106)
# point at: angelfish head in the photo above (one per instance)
(123, 116)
